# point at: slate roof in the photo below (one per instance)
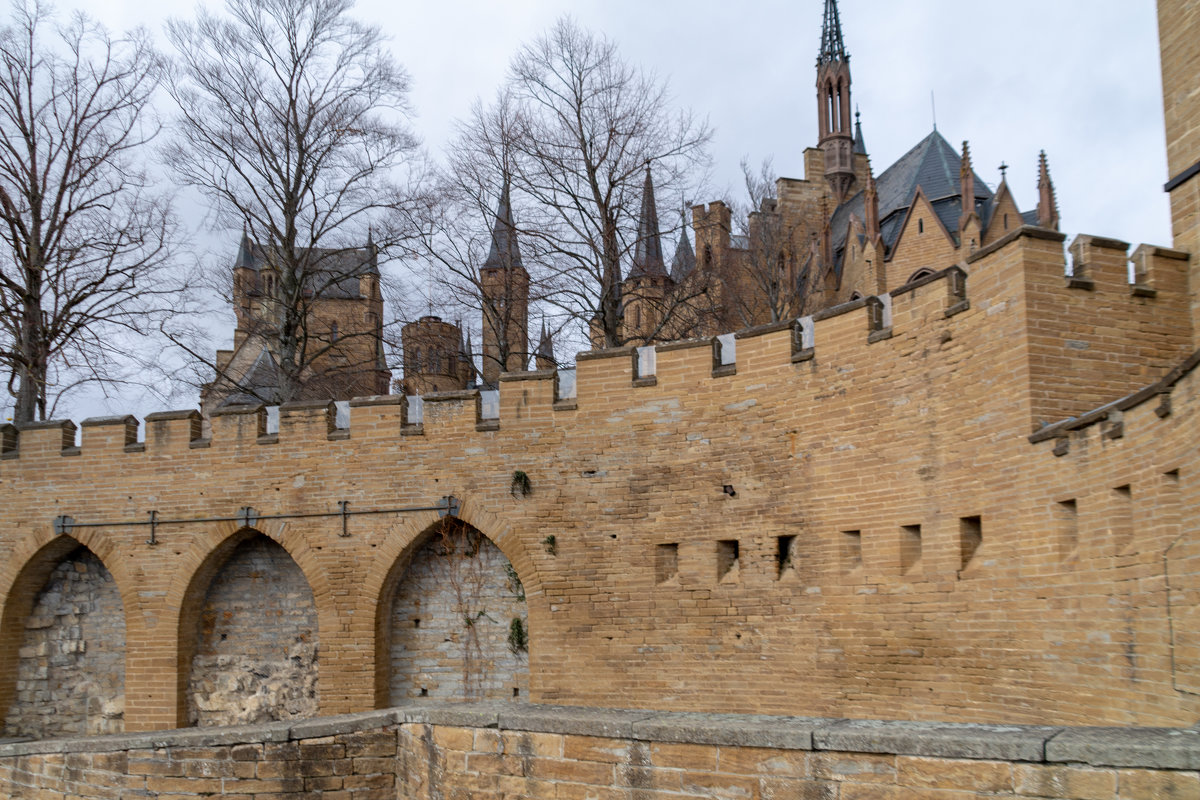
(260, 381)
(932, 165)
(337, 270)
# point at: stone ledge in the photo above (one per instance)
(1147, 748)
(741, 730)
(1153, 748)
(937, 739)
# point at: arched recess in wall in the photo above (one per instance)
(62, 646)
(923, 272)
(453, 620)
(248, 637)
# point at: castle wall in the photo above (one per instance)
(888, 545)
(488, 752)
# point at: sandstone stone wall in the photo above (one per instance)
(545, 753)
(256, 648)
(859, 528)
(71, 673)
(452, 622)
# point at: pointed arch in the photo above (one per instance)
(201, 564)
(395, 554)
(24, 578)
(923, 272)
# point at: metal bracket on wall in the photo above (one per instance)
(247, 517)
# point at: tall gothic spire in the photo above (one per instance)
(647, 253)
(836, 139)
(245, 256)
(684, 260)
(504, 251)
(1047, 207)
(832, 46)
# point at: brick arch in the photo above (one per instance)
(201, 564)
(23, 575)
(396, 553)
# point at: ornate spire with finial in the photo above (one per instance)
(860, 147)
(833, 107)
(832, 46)
(1047, 207)
(966, 178)
(647, 253)
(504, 252)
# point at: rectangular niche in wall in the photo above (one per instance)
(851, 550)
(1066, 519)
(727, 559)
(666, 562)
(785, 556)
(910, 548)
(970, 536)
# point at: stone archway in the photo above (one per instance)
(458, 623)
(254, 647)
(70, 661)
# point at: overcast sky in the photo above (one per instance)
(1077, 78)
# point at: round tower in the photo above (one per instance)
(431, 357)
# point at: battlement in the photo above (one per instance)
(1087, 337)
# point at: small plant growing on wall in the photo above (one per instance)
(520, 485)
(514, 582)
(518, 637)
(551, 545)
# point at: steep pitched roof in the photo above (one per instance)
(647, 252)
(504, 251)
(260, 381)
(934, 166)
(545, 347)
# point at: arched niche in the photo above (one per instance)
(62, 646)
(453, 620)
(248, 647)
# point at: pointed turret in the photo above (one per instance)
(245, 256)
(647, 253)
(833, 106)
(1047, 207)
(860, 147)
(505, 287)
(504, 251)
(372, 251)
(684, 260)
(545, 350)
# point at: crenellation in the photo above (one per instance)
(99, 434)
(173, 431)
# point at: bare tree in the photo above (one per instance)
(293, 122)
(587, 126)
(762, 284)
(86, 239)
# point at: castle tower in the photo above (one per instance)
(505, 288)
(432, 350)
(835, 139)
(646, 289)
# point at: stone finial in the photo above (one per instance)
(1047, 207)
(966, 176)
(871, 208)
